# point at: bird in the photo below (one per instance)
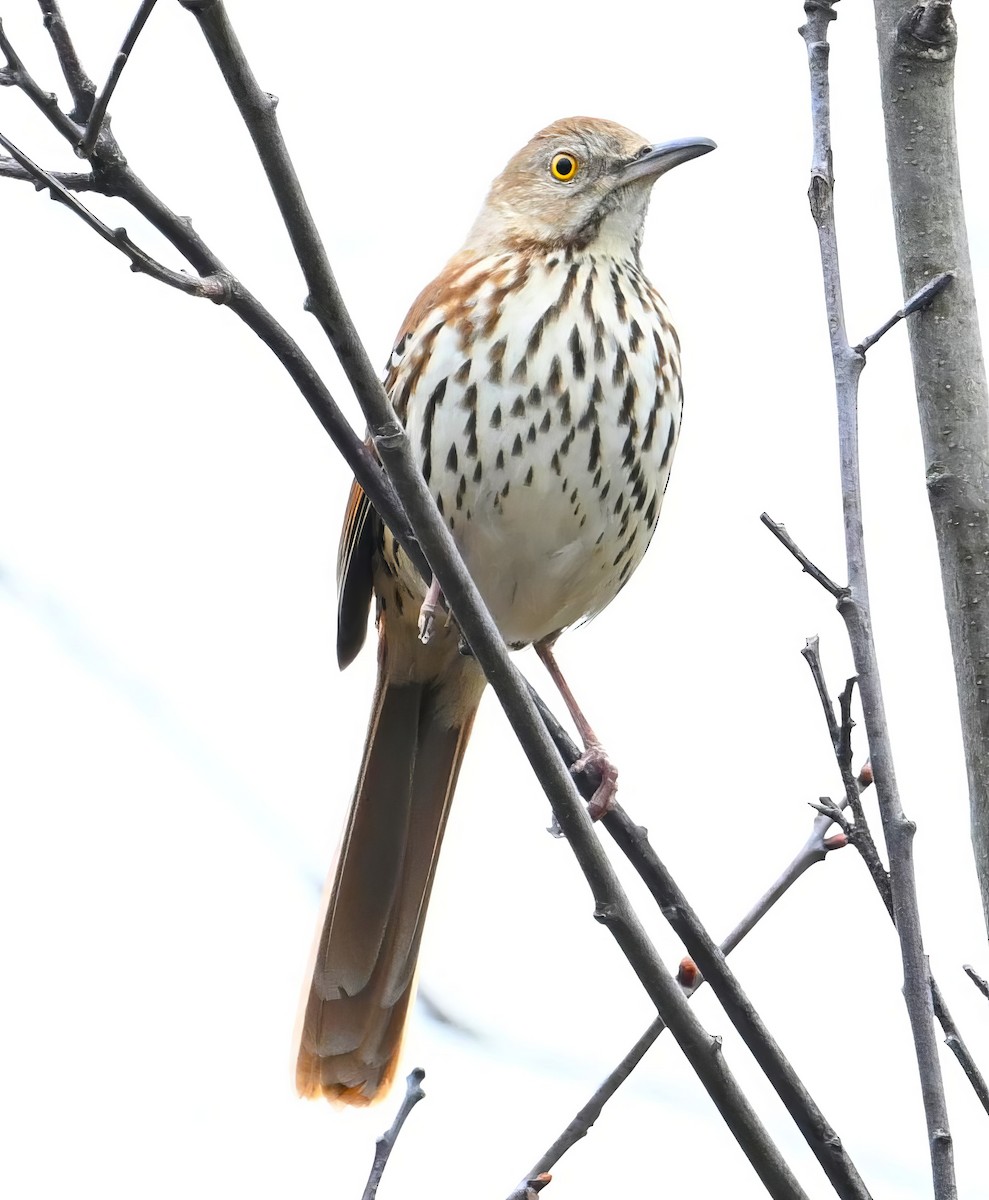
(538, 380)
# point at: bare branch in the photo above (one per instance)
(113, 176)
(953, 1040)
(859, 833)
(81, 87)
(73, 181)
(386, 1143)
(918, 301)
(979, 982)
(855, 609)
(811, 655)
(581, 1124)
(634, 843)
(779, 531)
(825, 1144)
(95, 122)
(827, 808)
(213, 287)
(17, 75)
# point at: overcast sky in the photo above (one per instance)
(179, 748)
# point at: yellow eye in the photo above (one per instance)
(564, 167)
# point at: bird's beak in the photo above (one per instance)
(657, 160)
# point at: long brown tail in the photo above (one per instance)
(365, 960)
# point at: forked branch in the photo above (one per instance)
(855, 609)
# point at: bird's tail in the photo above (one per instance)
(365, 958)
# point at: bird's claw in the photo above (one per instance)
(427, 612)
(595, 763)
(427, 622)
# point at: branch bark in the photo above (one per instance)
(916, 63)
(856, 612)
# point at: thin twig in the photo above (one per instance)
(827, 808)
(956, 1044)
(386, 1143)
(824, 1143)
(817, 846)
(81, 87)
(114, 177)
(812, 656)
(779, 531)
(582, 1122)
(212, 287)
(918, 301)
(95, 122)
(856, 612)
(979, 982)
(73, 181)
(860, 836)
(17, 75)
(859, 832)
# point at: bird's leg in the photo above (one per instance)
(427, 611)
(595, 756)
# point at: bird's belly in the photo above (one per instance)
(549, 456)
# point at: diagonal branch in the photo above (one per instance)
(917, 303)
(956, 1044)
(81, 87)
(95, 122)
(17, 75)
(212, 287)
(113, 176)
(824, 1143)
(73, 181)
(860, 835)
(778, 531)
(977, 979)
(386, 1143)
(634, 843)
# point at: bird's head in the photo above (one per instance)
(582, 182)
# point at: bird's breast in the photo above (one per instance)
(542, 395)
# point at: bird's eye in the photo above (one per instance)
(564, 167)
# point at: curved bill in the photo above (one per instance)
(657, 160)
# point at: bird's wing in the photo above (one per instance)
(354, 565)
(354, 577)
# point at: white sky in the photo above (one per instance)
(178, 747)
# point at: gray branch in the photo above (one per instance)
(855, 610)
(386, 1143)
(916, 62)
(94, 125)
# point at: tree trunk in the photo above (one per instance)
(916, 60)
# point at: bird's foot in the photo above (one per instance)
(595, 765)
(428, 610)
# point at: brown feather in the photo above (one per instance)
(354, 576)
(364, 962)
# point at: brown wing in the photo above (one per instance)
(354, 580)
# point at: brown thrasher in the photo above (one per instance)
(538, 377)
